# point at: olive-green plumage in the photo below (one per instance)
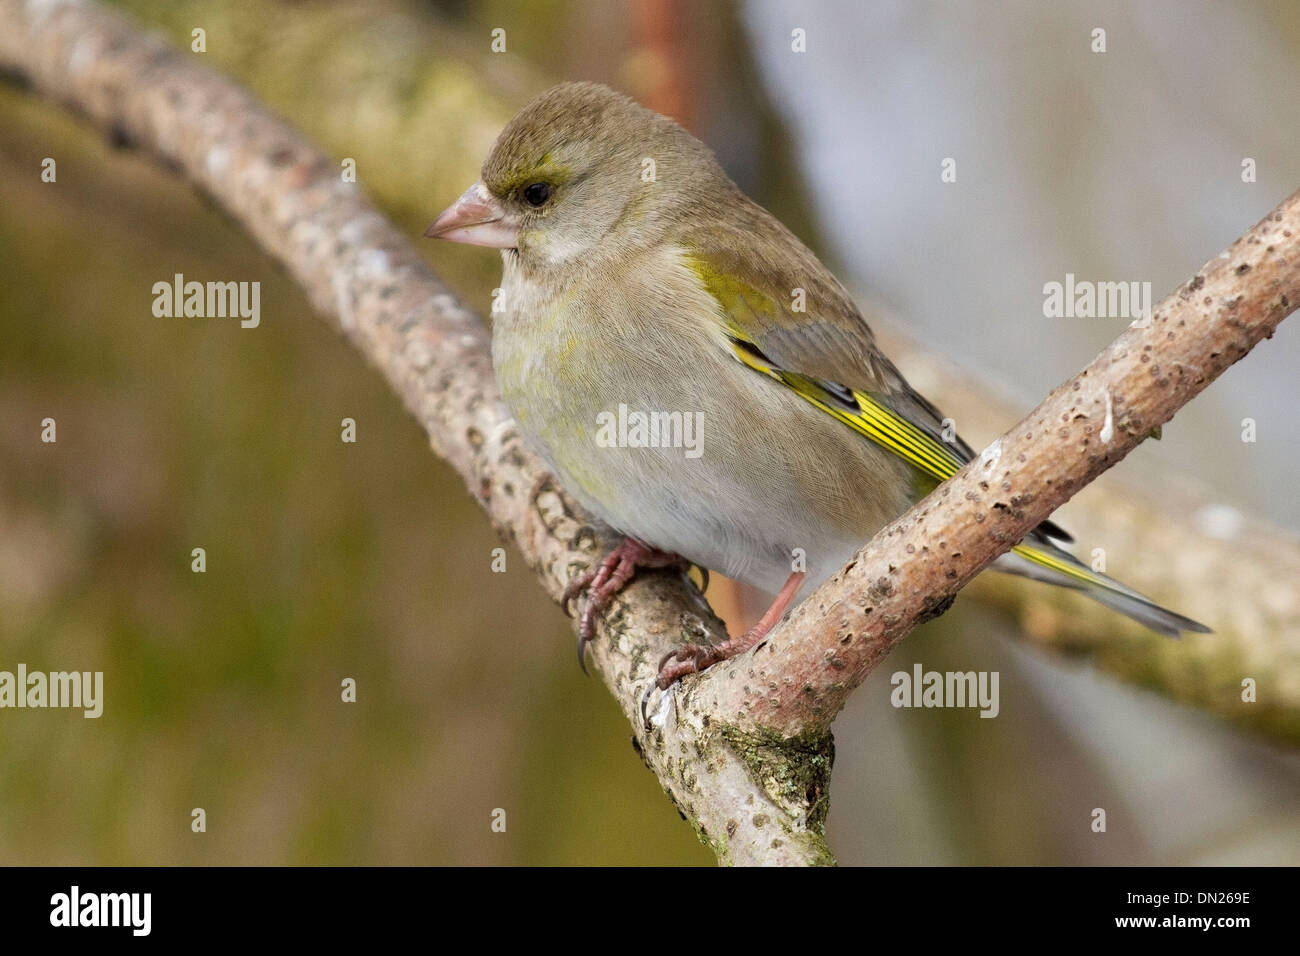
(639, 278)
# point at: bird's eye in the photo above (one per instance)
(537, 193)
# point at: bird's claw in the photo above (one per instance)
(687, 659)
(573, 590)
(650, 688)
(704, 577)
(650, 720)
(677, 663)
(602, 582)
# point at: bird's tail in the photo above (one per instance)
(1038, 558)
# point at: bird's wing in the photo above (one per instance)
(818, 345)
(785, 316)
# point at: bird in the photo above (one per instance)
(695, 376)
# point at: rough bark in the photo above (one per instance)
(1185, 547)
(752, 801)
(799, 678)
(1237, 573)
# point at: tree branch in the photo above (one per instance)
(752, 801)
(473, 92)
(1186, 549)
(798, 680)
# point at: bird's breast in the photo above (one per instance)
(622, 385)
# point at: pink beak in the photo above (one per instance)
(476, 218)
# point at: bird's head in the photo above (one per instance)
(580, 174)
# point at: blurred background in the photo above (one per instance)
(328, 560)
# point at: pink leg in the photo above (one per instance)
(606, 579)
(692, 658)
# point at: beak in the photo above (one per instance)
(477, 219)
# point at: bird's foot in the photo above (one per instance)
(603, 581)
(692, 658)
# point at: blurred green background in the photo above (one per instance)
(328, 560)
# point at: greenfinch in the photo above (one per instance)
(695, 376)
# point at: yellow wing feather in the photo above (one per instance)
(915, 446)
(872, 419)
